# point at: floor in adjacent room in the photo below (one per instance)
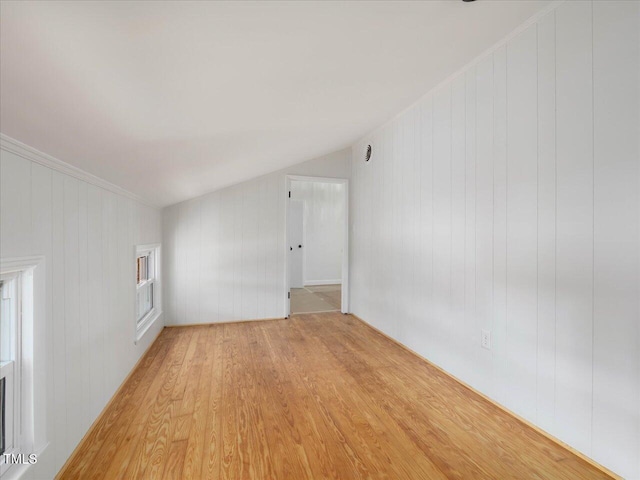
(317, 298)
(312, 396)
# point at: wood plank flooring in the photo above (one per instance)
(316, 299)
(314, 396)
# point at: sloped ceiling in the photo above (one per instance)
(171, 100)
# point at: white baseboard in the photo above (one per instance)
(312, 283)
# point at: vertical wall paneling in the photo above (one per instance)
(469, 337)
(422, 275)
(209, 261)
(41, 221)
(172, 262)
(225, 251)
(193, 258)
(411, 210)
(396, 218)
(121, 297)
(57, 318)
(442, 177)
(416, 248)
(250, 239)
(381, 150)
(275, 247)
(546, 223)
(72, 310)
(616, 276)
(261, 246)
(387, 323)
(83, 307)
(484, 217)
(170, 240)
(111, 330)
(184, 257)
(168, 244)
(458, 204)
(524, 175)
(226, 273)
(83, 328)
(381, 164)
(237, 248)
(363, 220)
(522, 241)
(15, 205)
(574, 267)
(372, 225)
(95, 293)
(499, 329)
(107, 261)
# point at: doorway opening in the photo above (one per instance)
(316, 245)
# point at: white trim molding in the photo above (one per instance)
(32, 352)
(345, 241)
(142, 327)
(29, 153)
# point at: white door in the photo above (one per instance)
(296, 212)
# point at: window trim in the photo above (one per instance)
(143, 325)
(13, 368)
(31, 286)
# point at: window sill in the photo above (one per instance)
(146, 324)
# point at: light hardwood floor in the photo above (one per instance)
(314, 396)
(316, 299)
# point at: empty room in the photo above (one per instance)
(293, 240)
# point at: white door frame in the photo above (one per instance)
(302, 241)
(344, 308)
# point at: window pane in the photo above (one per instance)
(8, 405)
(7, 320)
(145, 300)
(151, 266)
(142, 269)
(146, 271)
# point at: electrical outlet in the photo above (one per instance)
(485, 340)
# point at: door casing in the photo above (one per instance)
(345, 249)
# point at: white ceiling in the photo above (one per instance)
(171, 100)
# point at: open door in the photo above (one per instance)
(296, 229)
(314, 210)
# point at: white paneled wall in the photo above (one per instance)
(508, 199)
(224, 252)
(87, 236)
(324, 220)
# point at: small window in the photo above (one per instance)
(147, 287)
(10, 378)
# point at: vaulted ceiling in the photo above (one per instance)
(171, 100)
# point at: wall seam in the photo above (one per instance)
(593, 235)
(555, 242)
(537, 219)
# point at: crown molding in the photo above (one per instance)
(29, 153)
